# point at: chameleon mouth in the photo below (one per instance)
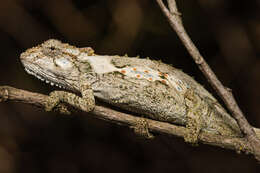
(43, 79)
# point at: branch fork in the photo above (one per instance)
(226, 94)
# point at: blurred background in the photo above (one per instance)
(226, 32)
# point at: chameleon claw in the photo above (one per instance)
(52, 101)
(4, 94)
(141, 128)
(191, 138)
(63, 109)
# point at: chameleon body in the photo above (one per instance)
(149, 88)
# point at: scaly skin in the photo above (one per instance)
(150, 88)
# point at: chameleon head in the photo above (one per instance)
(52, 62)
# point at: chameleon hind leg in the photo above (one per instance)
(196, 110)
(85, 103)
(194, 125)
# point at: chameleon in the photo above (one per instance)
(147, 87)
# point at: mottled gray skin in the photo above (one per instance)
(184, 102)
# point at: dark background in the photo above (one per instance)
(226, 32)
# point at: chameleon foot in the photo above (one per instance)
(141, 128)
(193, 131)
(4, 94)
(62, 109)
(196, 109)
(52, 101)
(85, 103)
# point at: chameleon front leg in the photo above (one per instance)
(85, 103)
(141, 128)
(196, 109)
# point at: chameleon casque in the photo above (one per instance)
(147, 87)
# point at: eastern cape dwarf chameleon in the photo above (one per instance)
(147, 87)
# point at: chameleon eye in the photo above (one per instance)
(63, 62)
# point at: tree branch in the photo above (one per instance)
(8, 93)
(175, 21)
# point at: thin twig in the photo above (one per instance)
(8, 93)
(176, 23)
